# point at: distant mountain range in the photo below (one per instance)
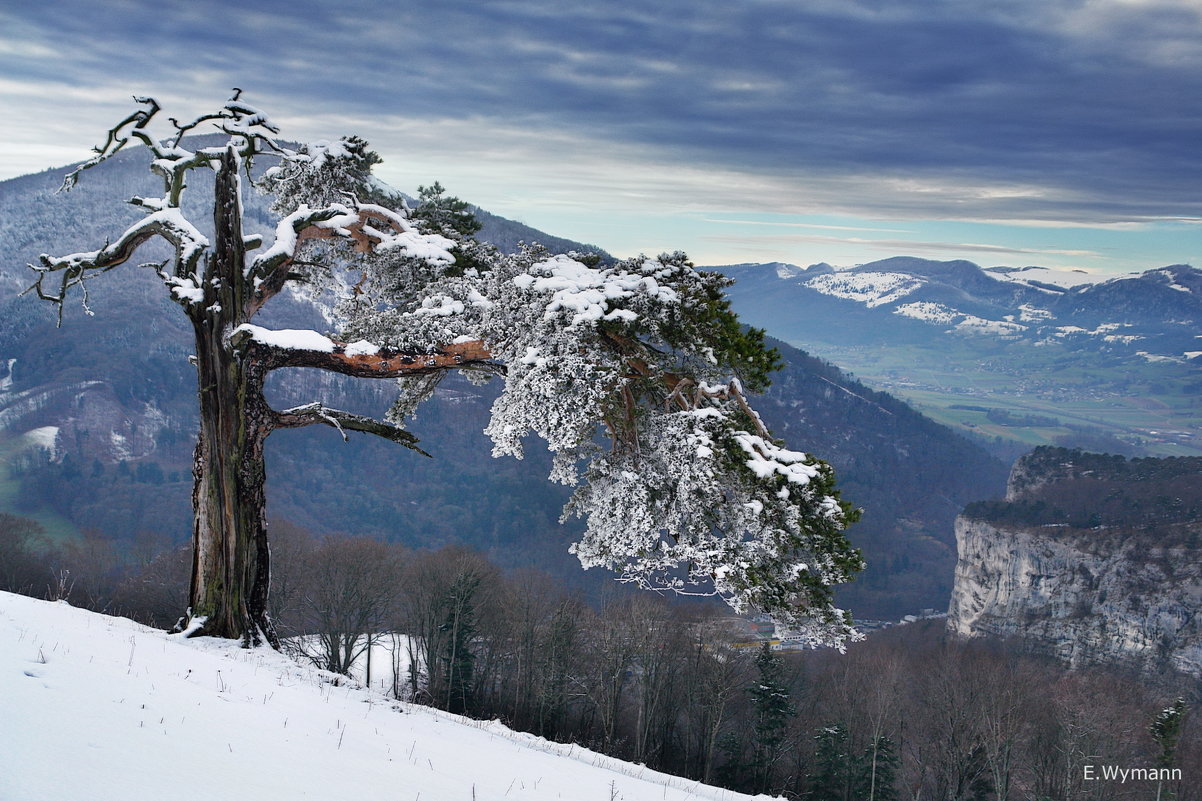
(1121, 356)
(1155, 315)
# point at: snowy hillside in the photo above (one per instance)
(101, 708)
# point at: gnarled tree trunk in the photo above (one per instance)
(231, 560)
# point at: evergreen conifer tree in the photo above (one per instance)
(876, 772)
(1166, 731)
(772, 708)
(460, 627)
(833, 773)
(690, 493)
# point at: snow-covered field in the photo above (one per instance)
(95, 708)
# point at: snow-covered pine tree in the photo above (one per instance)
(1166, 731)
(633, 374)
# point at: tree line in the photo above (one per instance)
(907, 714)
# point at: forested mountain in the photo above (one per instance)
(97, 421)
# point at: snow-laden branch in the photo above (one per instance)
(369, 227)
(254, 132)
(169, 223)
(362, 359)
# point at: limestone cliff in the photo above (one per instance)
(1090, 558)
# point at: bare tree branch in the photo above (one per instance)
(116, 139)
(318, 414)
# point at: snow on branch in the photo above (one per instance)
(249, 129)
(301, 348)
(370, 227)
(587, 293)
(692, 495)
(72, 270)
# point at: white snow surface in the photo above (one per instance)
(45, 437)
(1066, 278)
(871, 289)
(289, 338)
(929, 312)
(971, 324)
(1172, 281)
(102, 708)
(586, 292)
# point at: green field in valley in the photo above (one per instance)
(13, 450)
(1037, 396)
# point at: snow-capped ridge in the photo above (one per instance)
(1158, 308)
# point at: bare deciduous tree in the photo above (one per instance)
(349, 599)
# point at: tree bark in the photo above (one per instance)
(231, 560)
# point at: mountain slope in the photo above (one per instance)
(910, 475)
(1158, 312)
(101, 708)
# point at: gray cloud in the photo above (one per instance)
(910, 246)
(915, 109)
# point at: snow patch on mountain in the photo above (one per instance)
(43, 438)
(1035, 276)
(929, 312)
(971, 324)
(1155, 357)
(1033, 314)
(121, 449)
(1171, 281)
(871, 289)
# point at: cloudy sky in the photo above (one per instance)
(1064, 133)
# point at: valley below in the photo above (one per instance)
(1031, 399)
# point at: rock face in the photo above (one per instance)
(1093, 559)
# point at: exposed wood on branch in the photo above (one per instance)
(677, 386)
(383, 364)
(276, 271)
(364, 240)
